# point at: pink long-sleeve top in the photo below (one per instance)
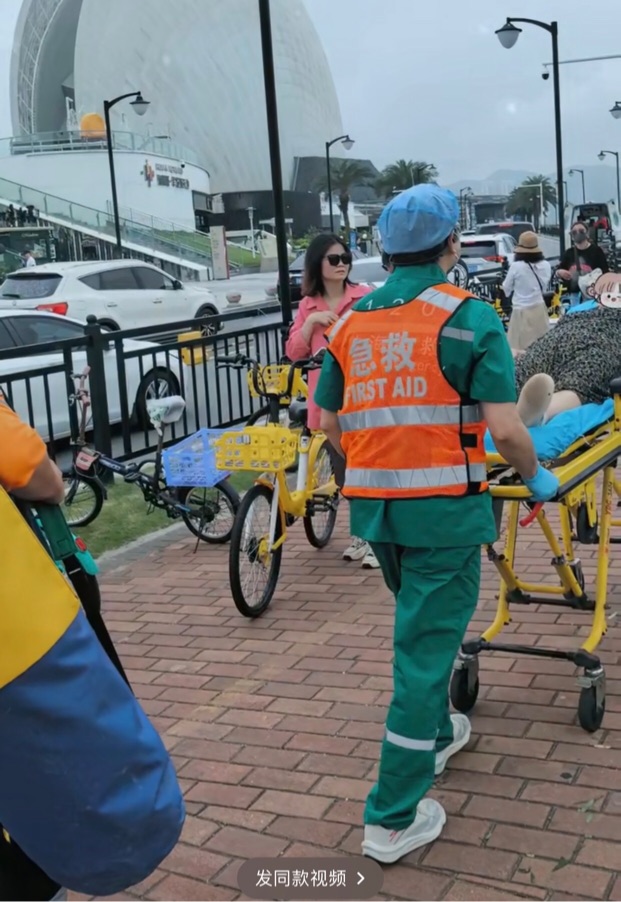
(297, 348)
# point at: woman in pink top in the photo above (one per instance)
(328, 295)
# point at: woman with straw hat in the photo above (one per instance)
(528, 277)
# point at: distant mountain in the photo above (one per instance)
(600, 182)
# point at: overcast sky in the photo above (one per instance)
(429, 81)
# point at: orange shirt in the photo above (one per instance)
(21, 450)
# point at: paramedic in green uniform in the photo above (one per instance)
(429, 548)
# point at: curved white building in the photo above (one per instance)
(199, 64)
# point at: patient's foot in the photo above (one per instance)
(535, 399)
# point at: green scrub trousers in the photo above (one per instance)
(436, 592)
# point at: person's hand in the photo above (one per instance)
(543, 485)
(563, 274)
(323, 318)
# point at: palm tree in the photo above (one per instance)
(403, 174)
(525, 200)
(345, 175)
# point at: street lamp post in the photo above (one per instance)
(613, 153)
(140, 107)
(581, 172)
(348, 143)
(269, 79)
(508, 35)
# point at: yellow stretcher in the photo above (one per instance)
(588, 464)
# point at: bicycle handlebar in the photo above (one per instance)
(241, 361)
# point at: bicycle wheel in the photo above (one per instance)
(253, 570)
(261, 417)
(212, 511)
(83, 500)
(319, 523)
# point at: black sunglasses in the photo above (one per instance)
(335, 259)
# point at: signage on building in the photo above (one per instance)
(166, 175)
(219, 254)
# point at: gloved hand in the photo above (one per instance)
(543, 485)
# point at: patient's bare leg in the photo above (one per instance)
(535, 399)
(562, 400)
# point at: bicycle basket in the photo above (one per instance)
(265, 448)
(192, 461)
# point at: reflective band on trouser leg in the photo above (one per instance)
(438, 595)
(428, 478)
(417, 745)
(411, 415)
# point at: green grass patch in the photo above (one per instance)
(125, 517)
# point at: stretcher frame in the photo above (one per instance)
(582, 518)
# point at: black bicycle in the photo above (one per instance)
(208, 513)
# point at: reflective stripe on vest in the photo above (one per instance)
(431, 415)
(440, 299)
(338, 325)
(458, 334)
(428, 478)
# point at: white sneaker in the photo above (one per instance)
(369, 561)
(356, 550)
(390, 845)
(461, 735)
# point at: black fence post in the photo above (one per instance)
(96, 343)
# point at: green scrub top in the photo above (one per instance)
(483, 370)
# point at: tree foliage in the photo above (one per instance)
(403, 174)
(346, 175)
(525, 200)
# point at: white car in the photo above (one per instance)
(122, 294)
(487, 252)
(42, 399)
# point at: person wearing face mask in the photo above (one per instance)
(413, 375)
(583, 257)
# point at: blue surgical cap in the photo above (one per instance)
(418, 219)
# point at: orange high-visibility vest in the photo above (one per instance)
(406, 432)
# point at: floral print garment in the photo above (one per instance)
(582, 353)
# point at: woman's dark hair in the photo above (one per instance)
(528, 258)
(312, 280)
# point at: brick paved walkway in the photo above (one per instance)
(274, 725)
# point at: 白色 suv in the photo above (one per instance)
(122, 294)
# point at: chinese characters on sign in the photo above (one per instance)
(166, 175)
(376, 364)
(298, 878)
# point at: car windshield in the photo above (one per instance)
(31, 285)
(479, 249)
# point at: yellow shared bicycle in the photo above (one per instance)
(278, 497)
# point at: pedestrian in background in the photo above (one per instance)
(528, 277)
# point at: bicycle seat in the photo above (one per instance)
(298, 413)
(166, 410)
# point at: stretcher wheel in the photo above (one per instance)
(586, 534)
(463, 691)
(590, 712)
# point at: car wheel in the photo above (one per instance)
(159, 383)
(214, 325)
(459, 274)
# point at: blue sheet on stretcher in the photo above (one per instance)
(564, 429)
